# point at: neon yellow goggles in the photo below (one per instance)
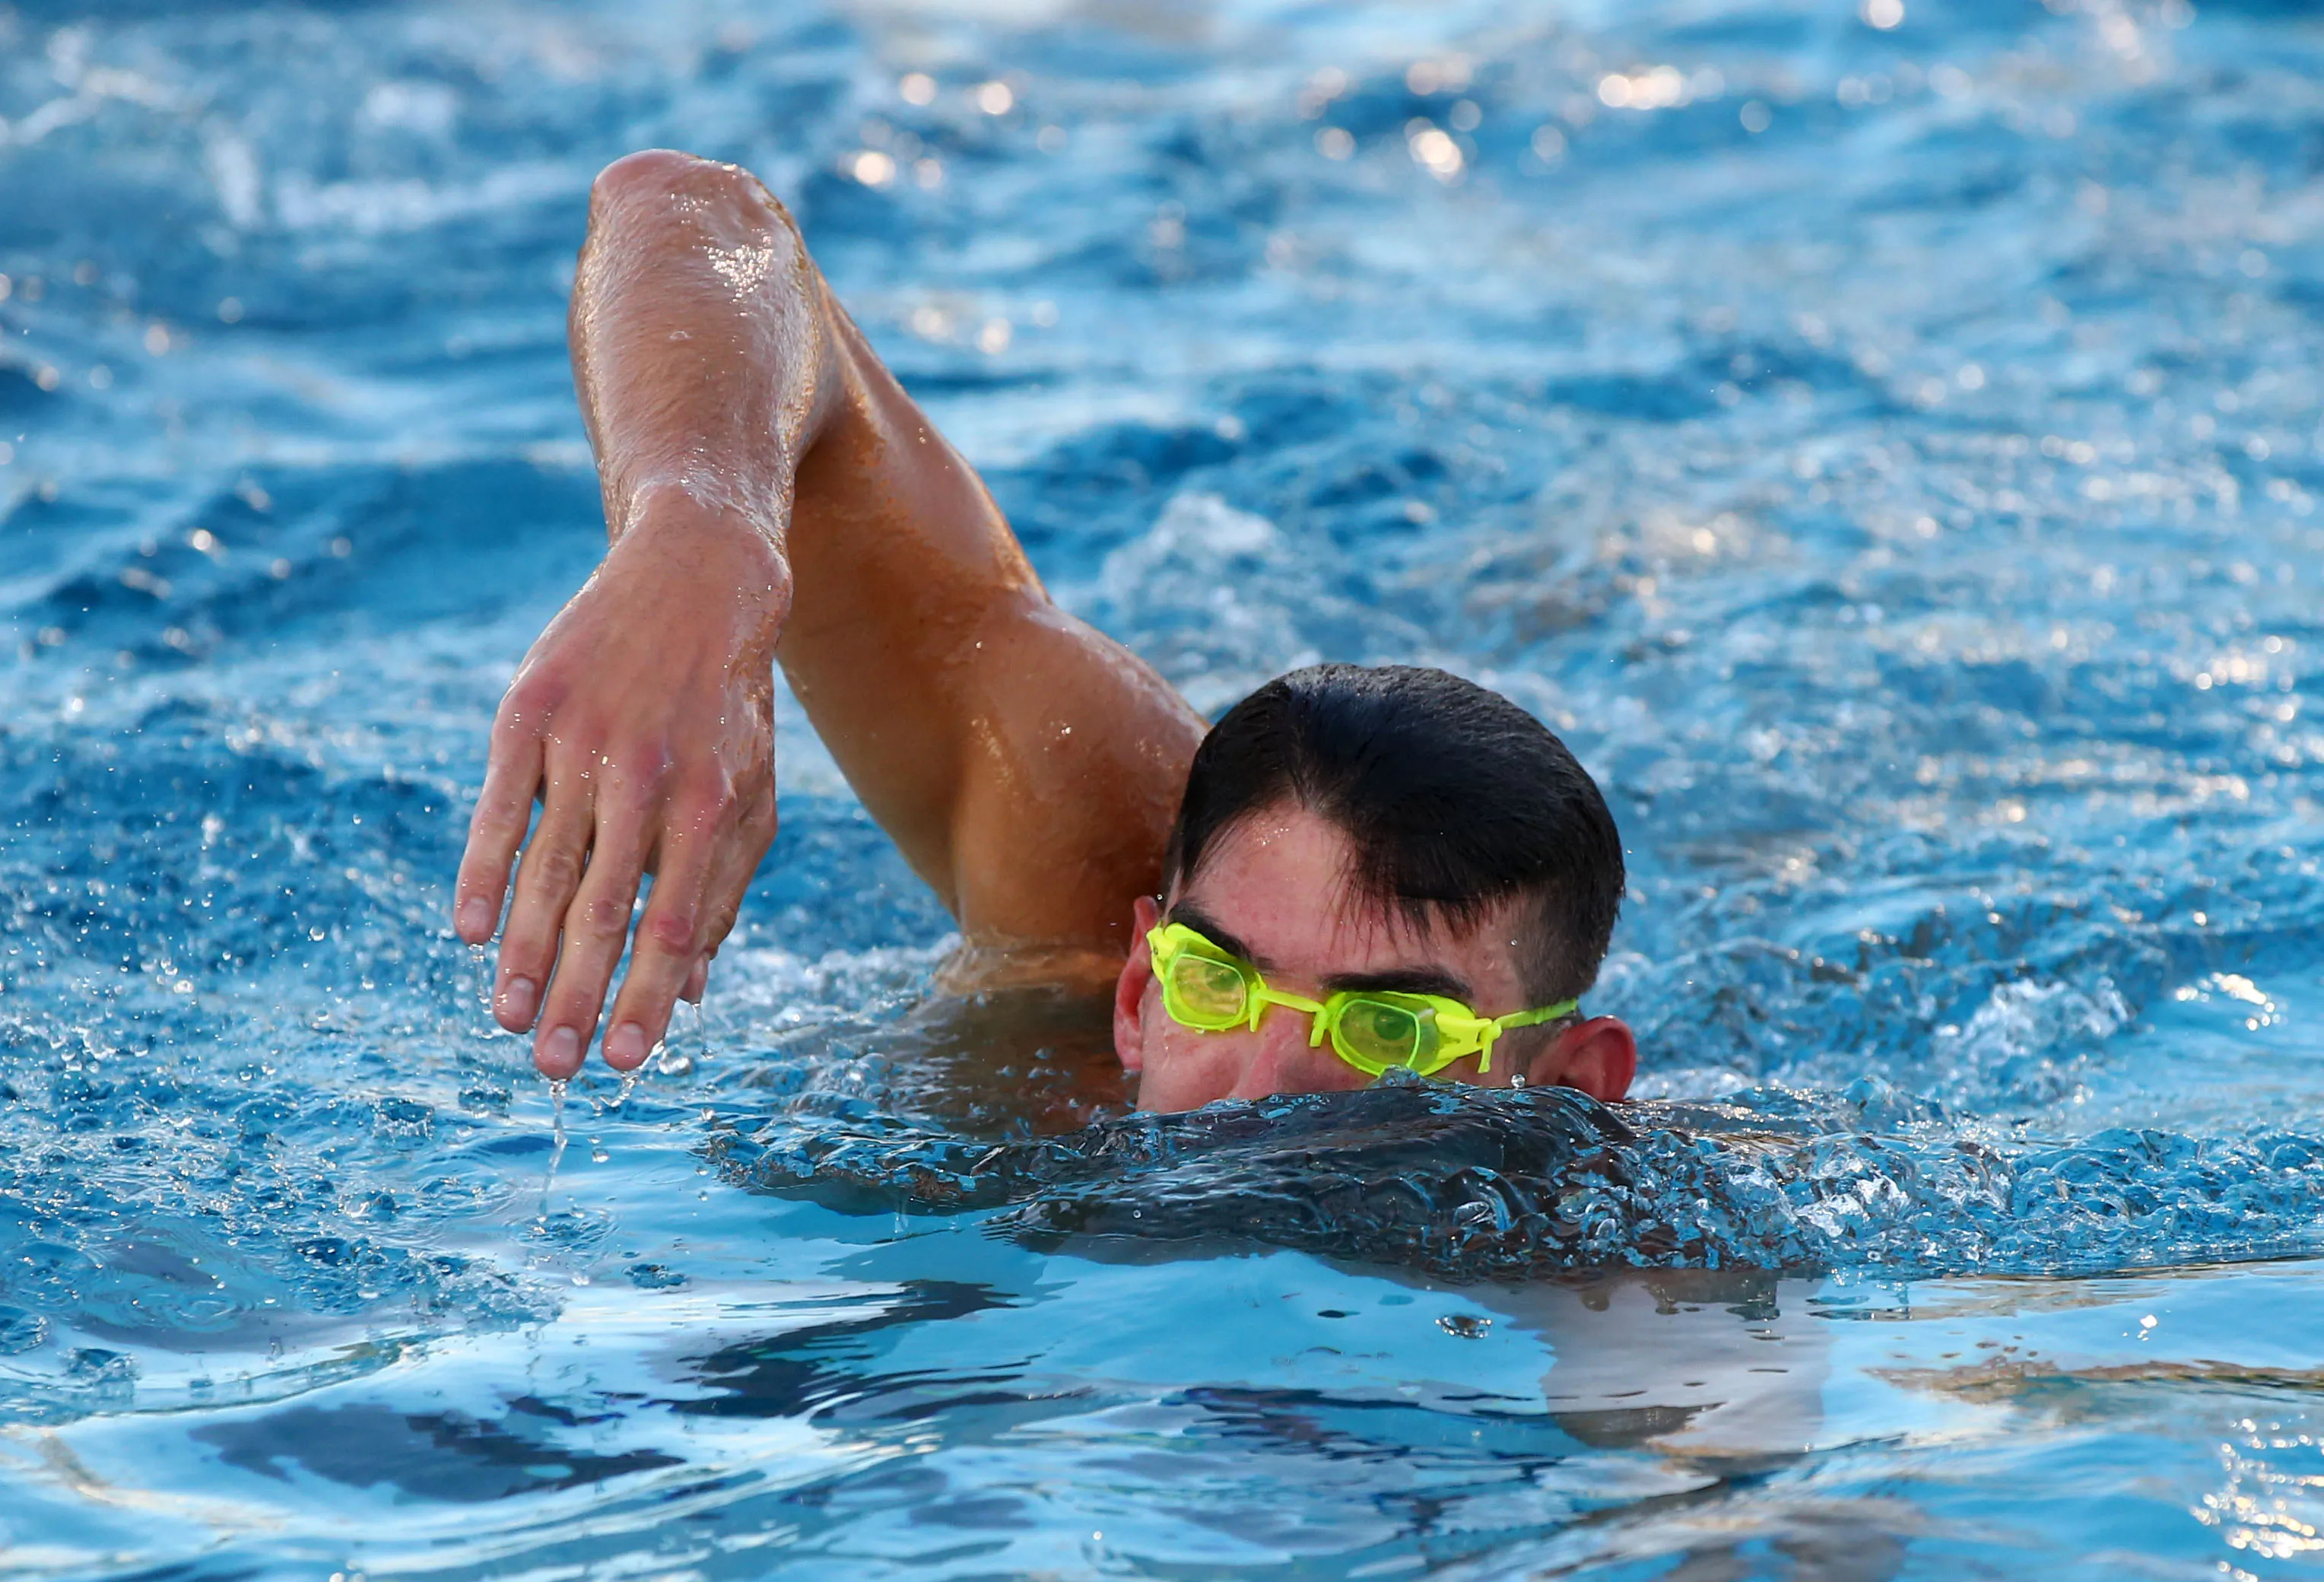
(1208, 989)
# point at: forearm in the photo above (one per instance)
(773, 491)
(754, 453)
(702, 348)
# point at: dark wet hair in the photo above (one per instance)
(1451, 795)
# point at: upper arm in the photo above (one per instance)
(1027, 766)
(1075, 760)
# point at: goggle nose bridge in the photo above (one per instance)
(1260, 997)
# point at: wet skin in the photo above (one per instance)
(1272, 890)
(774, 497)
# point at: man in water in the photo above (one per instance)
(1355, 869)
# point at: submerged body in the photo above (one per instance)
(772, 494)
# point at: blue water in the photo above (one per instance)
(1887, 454)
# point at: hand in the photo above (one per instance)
(643, 720)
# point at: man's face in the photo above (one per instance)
(1273, 889)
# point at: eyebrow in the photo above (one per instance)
(1394, 980)
(1202, 923)
(1400, 980)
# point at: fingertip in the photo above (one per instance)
(473, 921)
(697, 982)
(516, 1004)
(558, 1054)
(626, 1046)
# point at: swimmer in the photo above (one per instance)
(1354, 869)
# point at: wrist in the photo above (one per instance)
(688, 501)
(719, 549)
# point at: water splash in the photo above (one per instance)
(1470, 1183)
(557, 1089)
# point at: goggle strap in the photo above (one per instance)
(1534, 1018)
(1494, 1029)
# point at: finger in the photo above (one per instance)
(504, 812)
(730, 883)
(597, 927)
(724, 905)
(544, 884)
(670, 943)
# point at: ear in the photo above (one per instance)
(1130, 988)
(1599, 1057)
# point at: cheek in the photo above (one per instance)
(1186, 1069)
(1175, 1053)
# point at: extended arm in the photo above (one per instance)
(771, 493)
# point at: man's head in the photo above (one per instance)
(1392, 829)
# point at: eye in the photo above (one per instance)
(1209, 991)
(1378, 1031)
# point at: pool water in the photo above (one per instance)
(1883, 441)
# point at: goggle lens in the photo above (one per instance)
(1204, 988)
(1209, 993)
(1378, 1033)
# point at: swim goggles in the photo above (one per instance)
(1209, 990)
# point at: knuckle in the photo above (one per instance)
(602, 918)
(556, 868)
(630, 798)
(669, 928)
(650, 763)
(529, 700)
(692, 821)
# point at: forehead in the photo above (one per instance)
(1279, 882)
